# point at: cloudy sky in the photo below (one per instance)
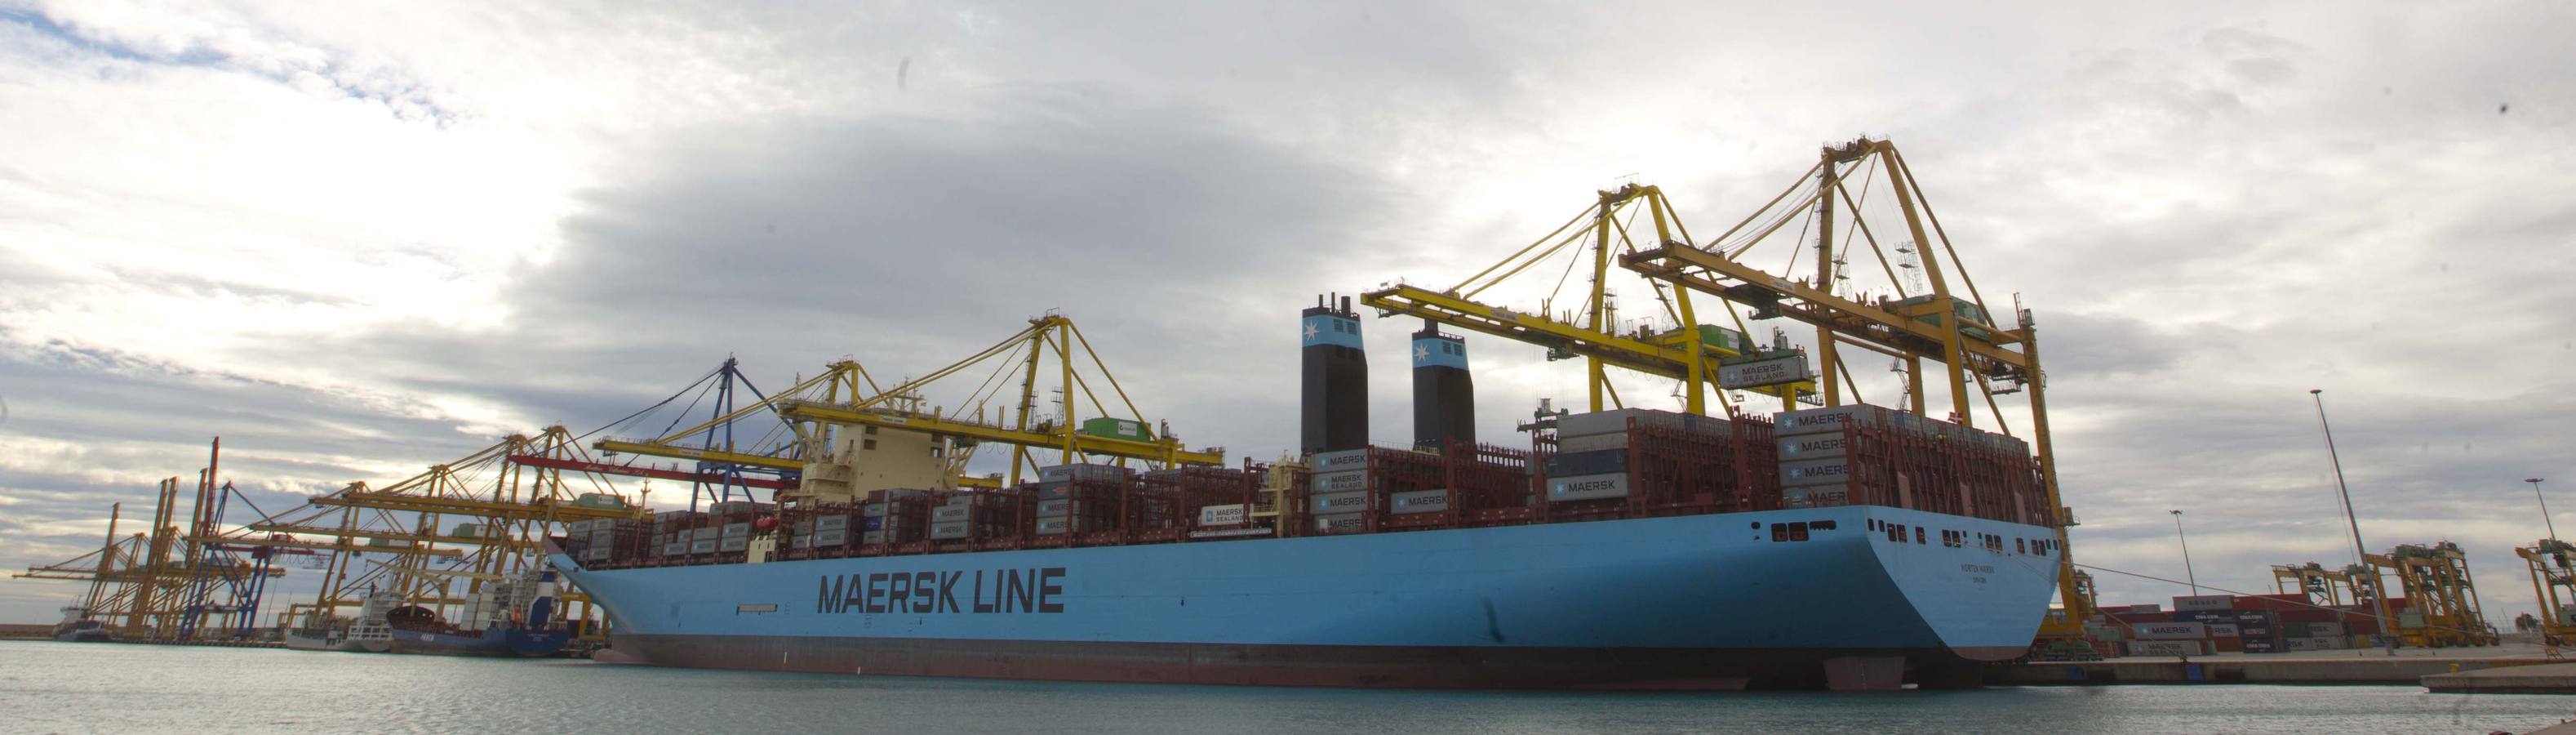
(355, 240)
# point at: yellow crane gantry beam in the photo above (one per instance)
(1166, 451)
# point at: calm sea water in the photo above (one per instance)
(69, 687)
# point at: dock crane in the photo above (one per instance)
(1910, 323)
(2553, 580)
(1689, 355)
(1021, 359)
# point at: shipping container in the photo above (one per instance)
(947, 513)
(831, 538)
(950, 530)
(832, 523)
(2224, 630)
(2165, 648)
(1600, 462)
(1592, 443)
(1813, 446)
(2170, 631)
(1221, 515)
(1083, 472)
(1824, 420)
(733, 543)
(1829, 472)
(736, 530)
(2205, 602)
(1348, 523)
(1588, 487)
(1619, 420)
(2260, 645)
(1347, 459)
(702, 546)
(1116, 428)
(1337, 503)
(1419, 501)
(1339, 481)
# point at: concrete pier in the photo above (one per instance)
(2410, 666)
(2539, 679)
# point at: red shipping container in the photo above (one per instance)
(2229, 645)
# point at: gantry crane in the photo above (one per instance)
(162, 586)
(2441, 598)
(1592, 330)
(2553, 579)
(478, 520)
(788, 450)
(1927, 308)
(1019, 358)
(2323, 587)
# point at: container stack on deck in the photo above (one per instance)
(1384, 489)
(1634, 463)
(1871, 455)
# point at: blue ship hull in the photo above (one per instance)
(1707, 601)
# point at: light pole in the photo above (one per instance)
(2378, 597)
(2186, 555)
(2544, 507)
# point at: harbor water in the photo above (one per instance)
(72, 687)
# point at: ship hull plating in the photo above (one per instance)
(1696, 602)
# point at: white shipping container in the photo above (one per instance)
(948, 513)
(1616, 421)
(1812, 446)
(1822, 420)
(1788, 368)
(873, 510)
(2203, 603)
(831, 523)
(675, 548)
(1820, 496)
(702, 546)
(1591, 443)
(734, 543)
(834, 537)
(1340, 524)
(2165, 648)
(949, 530)
(1338, 481)
(737, 530)
(1347, 459)
(1828, 472)
(1587, 487)
(2170, 631)
(1333, 503)
(1221, 515)
(1419, 501)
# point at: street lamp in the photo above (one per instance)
(2544, 507)
(2186, 555)
(2379, 597)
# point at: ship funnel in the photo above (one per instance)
(1334, 413)
(1444, 392)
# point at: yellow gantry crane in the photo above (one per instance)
(451, 529)
(2441, 599)
(1592, 330)
(2323, 587)
(1927, 309)
(2553, 580)
(1020, 359)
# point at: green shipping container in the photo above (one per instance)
(1719, 337)
(1116, 428)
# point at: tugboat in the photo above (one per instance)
(512, 619)
(369, 633)
(79, 627)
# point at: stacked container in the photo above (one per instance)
(894, 516)
(1078, 499)
(1640, 462)
(1871, 455)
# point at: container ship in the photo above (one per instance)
(1848, 547)
(78, 627)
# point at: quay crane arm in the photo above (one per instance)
(1688, 355)
(1023, 353)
